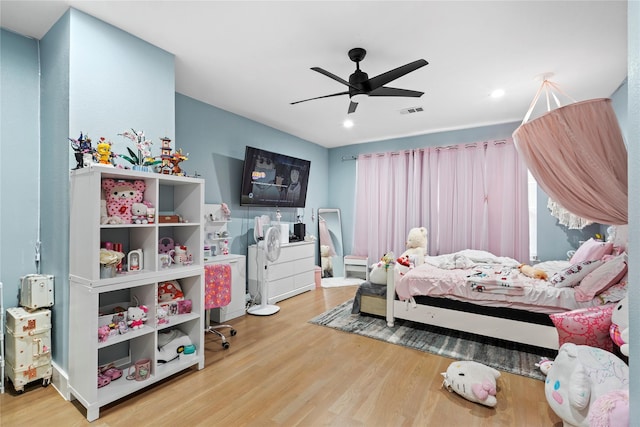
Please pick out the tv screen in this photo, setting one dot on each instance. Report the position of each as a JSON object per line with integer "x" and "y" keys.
{"x": 274, "y": 180}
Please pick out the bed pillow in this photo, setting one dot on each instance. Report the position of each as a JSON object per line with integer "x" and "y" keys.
{"x": 571, "y": 276}
{"x": 591, "y": 250}
{"x": 602, "y": 278}
{"x": 585, "y": 326}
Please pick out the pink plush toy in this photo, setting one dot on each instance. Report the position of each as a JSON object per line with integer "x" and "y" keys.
{"x": 611, "y": 409}
{"x": 136, "y": 316}
{"x": 103, "y": 333}
{"x": 120, "y": 196}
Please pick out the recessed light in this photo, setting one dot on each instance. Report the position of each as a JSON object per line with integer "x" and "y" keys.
{"x": 348, "y": 123}
{"x": 498, "y": 93}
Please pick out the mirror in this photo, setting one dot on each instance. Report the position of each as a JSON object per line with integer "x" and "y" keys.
{"x": 330, "y": 233}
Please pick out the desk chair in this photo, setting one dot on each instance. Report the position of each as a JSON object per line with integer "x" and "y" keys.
{"x": 217, "y": 294}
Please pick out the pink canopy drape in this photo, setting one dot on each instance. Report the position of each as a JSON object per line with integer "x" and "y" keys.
{"x": 577, "y": 155}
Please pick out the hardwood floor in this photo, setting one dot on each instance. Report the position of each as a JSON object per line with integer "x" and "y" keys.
{"x": 283, "y": 371}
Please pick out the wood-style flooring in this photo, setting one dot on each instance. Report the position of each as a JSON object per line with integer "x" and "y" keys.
{"x": 283, "y": 371}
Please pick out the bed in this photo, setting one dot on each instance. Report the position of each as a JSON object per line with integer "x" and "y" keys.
{"x": 479, "y": 293}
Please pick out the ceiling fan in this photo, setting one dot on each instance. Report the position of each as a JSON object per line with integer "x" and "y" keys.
{"x": 360, "y": 84}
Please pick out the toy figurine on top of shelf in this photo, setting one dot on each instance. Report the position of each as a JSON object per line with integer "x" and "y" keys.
{"x": 83, "y": 151}
{"x": 143, "y": 160}
{"x": 103, "y": 152}
{"x": 170, "y": 161}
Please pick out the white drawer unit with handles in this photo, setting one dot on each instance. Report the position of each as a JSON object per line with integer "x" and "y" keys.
{"x": 291, "y": 274}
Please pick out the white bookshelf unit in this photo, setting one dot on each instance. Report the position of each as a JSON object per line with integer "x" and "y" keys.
{"x": 291, "y": 274}
{"x": 89, "y": 292}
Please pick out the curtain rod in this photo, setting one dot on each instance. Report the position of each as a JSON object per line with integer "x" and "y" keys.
{"x": 448, "y": 147}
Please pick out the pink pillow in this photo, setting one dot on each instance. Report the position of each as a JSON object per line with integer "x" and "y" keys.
{"x": 602, "y": 278}
{"x": 585, "y": 326}
{"x": 572, "y": 275}
{"x": 591, "y": 250}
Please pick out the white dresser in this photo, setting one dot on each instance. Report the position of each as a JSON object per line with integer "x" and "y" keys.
{"x": 237, "y": 306}
{"x": 291, "y": 274}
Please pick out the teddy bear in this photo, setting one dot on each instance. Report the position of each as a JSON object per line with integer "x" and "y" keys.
{"x": 325, "y": 260}
{"x": 473, "y": 381}
{"x": 139, "y": 213}
{"x": 619, "y": 329}
{"x": 136, "y": 316}
{"x": 416, "y": 245}
{"x": 120, "y": 196}
{"x": 579, "y": 376}
{"x": 378, "y": 274}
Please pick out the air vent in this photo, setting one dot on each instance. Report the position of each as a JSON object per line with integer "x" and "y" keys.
{"x": 412, "y": 110}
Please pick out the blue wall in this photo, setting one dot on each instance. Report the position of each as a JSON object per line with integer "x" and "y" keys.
{"x": 216, "y": 139}
{"x": 19, "y": 160}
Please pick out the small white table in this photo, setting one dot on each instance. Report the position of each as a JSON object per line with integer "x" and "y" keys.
{"x": 357, "y": 266}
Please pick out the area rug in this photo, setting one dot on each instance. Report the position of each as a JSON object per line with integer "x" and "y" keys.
{"x": 334, "y": 282}
{"x": 503, "y": 355}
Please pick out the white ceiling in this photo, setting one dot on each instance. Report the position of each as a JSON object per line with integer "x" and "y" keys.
{"x": 254, "y": 58}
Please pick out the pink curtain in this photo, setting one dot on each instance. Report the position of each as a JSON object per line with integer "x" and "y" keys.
{"x": 468, "y": 196}
{"x": 577, "y": 155}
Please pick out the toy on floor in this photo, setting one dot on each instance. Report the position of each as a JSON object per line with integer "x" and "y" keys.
{"x": 325, "y": 261}
{"x": 473, "y": 381}
{"x": 579, "y": 376}
{"x": 610, "y": 410}
{"x": 544, "y": 364}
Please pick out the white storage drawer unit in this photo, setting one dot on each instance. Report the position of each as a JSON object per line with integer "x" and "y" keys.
{"x": 291, "y": 274}
{"x": 28, "y": 346}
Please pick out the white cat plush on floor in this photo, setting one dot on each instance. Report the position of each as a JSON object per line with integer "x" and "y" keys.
{"x": 473, "y": 381}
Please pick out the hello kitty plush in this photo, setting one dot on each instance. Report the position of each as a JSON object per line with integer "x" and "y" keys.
{"x": 473, "y": 381}
{"x": 136, "y": 316}
{"x": 120, "y": 196}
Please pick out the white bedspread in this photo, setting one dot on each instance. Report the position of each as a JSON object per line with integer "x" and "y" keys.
{"x": 504, "y": 285}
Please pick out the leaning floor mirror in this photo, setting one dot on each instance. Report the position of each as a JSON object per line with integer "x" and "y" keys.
{"x": 331, "y": 250}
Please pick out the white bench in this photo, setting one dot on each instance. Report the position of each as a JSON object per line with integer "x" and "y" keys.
{"x": 357, "y": 266}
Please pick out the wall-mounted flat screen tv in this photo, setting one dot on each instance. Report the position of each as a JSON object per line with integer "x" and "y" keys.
{"x": 273, "y": 180}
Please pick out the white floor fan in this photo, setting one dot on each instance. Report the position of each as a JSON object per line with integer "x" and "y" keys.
{"x": 268, "y": 251}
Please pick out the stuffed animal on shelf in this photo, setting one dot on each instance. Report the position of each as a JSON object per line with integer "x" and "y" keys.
{"x": 120, "y": 196}
{"x": 533, "y": 272}
{"x": 104, "y": 332}
{"x": 136, "y": 316}
{"x": 473, "y": 381}
{"x": 378, "y": 274}
{"x": 416, "y": 245}
{"x": 581, "y": 374}
{"x": 619, "y": 329}
{"x": 325, "y": 261}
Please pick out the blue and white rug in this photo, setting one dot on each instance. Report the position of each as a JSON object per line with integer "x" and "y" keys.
{"x": 505, "y": 356}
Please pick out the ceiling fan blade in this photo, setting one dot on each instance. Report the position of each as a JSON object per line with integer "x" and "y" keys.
{"x": 384, "y": 78}
{"x": 334, "y": 77}
{"x": 320, "y": 97}
{"x": 392, "y": 91}
{"x": 352, "y": 107}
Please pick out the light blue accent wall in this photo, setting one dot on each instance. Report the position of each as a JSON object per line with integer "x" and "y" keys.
{"x": 216, "y": 139}
{"x": 19, "y": 160}
{"x": 54, "y": 172}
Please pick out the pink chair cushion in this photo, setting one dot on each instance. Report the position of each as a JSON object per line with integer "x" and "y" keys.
{"x": 585, "y": 326}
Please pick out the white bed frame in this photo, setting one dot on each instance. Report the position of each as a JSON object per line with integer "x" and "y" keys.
{"x": 506, "y": 329}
